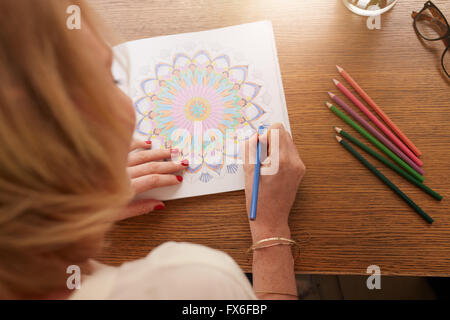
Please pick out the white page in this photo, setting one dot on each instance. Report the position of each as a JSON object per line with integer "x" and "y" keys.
{"x": 226, "y": 78}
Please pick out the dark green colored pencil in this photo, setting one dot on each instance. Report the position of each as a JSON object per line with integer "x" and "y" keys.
{"x": 374, "y": 170}
{"x": 378, "y": 156}
{"x": 374, "y": 141}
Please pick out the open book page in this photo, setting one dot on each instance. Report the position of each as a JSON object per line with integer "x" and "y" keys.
{"x": 203, "y": 93}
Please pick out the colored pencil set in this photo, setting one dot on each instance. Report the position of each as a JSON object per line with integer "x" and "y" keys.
{"x": 404, "y": 155}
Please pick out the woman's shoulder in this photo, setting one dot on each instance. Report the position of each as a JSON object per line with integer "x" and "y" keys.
{"x": 171, "y": 255}
{"x": 180, "y": 270}
{"x": 184, "y": 253}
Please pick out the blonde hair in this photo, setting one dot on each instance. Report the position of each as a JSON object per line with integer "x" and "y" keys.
{"x": 62, "y": 181}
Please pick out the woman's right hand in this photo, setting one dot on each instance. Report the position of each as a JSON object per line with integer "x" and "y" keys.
{"x": 276, "y": 191}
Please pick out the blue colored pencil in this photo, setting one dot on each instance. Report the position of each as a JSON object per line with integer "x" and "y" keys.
{"x": 256, "y": 173}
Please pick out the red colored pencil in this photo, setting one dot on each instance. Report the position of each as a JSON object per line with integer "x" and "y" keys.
{"x": 378, "y": 110}
{"x": 378, "y": 123}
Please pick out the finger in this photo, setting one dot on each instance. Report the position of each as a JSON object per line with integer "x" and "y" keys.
{"x": 263, "y": 137}
{"x": 291, "y": 145}
{"x": 140, "y": 207}
{"x": 144, "y": 156}
{"x": 275, "y": 127}
{"x": 266, "y": 138}
{"x": 156, "y": 167}
{"x": 135, "y": 144}
{"x": 152, "y": 181}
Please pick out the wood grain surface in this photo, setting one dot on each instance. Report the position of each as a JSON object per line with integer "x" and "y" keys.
{"x": 351, "y": 218}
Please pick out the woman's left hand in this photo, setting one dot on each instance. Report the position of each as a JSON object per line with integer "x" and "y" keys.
{"x": 147, "y": 171}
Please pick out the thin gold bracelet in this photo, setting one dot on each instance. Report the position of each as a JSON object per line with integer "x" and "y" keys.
{"x": 272, "y": 245}
{"x": 280, "y": 293}
{"x": 255, "y": 246}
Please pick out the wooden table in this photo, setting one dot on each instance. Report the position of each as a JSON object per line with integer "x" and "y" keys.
{"x": 353, "y": 219}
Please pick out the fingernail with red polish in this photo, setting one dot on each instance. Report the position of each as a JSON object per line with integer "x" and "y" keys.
{"x": 148, "y": 142}
{"x": 180, "y": 178}
{"x": 185, "y": 162}
{"x": 159, "y": 207}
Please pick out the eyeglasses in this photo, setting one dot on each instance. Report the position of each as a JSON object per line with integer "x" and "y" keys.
{"x": 431, "y": 25}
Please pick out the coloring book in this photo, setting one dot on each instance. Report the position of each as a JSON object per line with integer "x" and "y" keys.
{"x": 203, "y": 93}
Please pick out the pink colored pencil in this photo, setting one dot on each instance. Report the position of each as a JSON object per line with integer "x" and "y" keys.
{"x": 378, "y": 110}
{"x": 378, "y": 123}
{"x": 375, "y": 133}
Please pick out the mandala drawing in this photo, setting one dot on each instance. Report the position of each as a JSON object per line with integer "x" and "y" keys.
{"x": 199, "y": 90}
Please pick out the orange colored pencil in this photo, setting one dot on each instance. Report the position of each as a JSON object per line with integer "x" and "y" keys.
{"x": 378, "y": 110}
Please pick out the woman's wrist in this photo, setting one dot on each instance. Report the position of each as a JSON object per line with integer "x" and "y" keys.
{"x": 260, "y": 232}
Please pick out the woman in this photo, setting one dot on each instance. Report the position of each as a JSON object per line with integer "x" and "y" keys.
{"x": 66, "y": 175}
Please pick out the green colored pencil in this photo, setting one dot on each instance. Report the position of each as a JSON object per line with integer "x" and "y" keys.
{"x": 374, "y": 170}
{"x": 378, "y": 156}
{"x": 375, "y": 141}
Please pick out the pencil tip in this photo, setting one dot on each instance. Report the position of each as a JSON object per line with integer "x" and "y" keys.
{"x": 338, "y": 138}
{"x": 328, "y": 104}
{"x": 339, "y": 69}
{"x": 331, "y": 94}
{"x": 336, "y": 82}
{"x": 338, "y": 130}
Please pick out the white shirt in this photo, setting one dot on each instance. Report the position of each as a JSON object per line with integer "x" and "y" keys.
{"x": 171, "y": 271}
